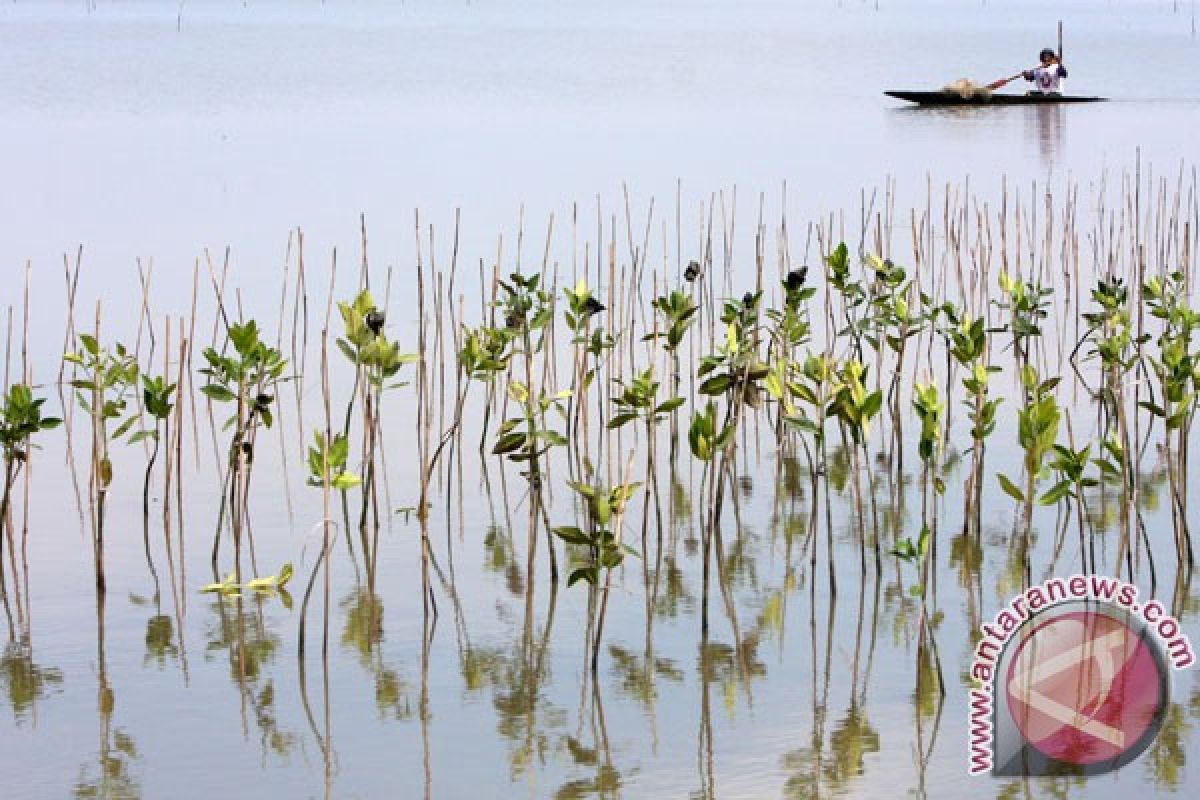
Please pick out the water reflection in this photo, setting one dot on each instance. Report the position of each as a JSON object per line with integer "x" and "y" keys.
{"x": 1046, "y": 125}
{"x": 361, "y": 636}
{"x": 24, "y": 682}
{"x": 250, "y": 647}
{"x": 110, "y": 774}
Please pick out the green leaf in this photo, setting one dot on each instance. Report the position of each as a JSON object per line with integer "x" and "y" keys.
{"x": 346, "y": 480}
{"x": 218, "y": 393}
{"x": 669, "y": 405}
{"x": 621, "y": 419}
{"x": 582, "y": 574}
{"x": 1010, "y": 488}
{"x": 508, "y": 443}
{"x": 718, "y": 384}
{"x": 1055, "y": 493}
{"x": 572, "y": 535}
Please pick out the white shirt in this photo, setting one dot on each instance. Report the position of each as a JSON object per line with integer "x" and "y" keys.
{"x": 1048, "y": 79}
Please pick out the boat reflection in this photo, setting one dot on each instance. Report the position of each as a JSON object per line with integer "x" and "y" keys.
{"x": 1045, "y": 125}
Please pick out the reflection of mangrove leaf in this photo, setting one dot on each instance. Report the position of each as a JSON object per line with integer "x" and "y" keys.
{"x": 364, "y": 624}
{"x": 607, "y": 783}
{"x": 23, "y": 681}
{"x": 273, "y": 738}
{"x": 1168, "y": 755}
{"x": 392, "y": 695}
{"x": 674, "y": 597}
{"x": 112, "y": 779}
{"x": 638, "y": 680}
{"x": 927, "y": 694}
{"x": 160, "y": 640}
{"x": 249, "y": 643}
{"x": 852, "y": 739}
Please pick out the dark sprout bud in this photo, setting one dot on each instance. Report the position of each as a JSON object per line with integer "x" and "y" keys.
{"x": 513, "y": 320}
{"x": 263, "y": 400}
{"x": 887, "y": 262}
{"x": 247, "y": 449}
{"x": 748, "y": 299}
{"x": 692, "y": 271}
{"x": 795, "y": 279}
{"x": 592, "y": 306}
{"x": 375, "y": 319}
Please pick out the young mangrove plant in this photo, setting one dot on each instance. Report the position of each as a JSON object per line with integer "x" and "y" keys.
{"x": 592, "y": 346}
{"x": 601, "y": 549}
{"x": 930, "y": 410}
{"x": 638, "y": 402}
{"x": 968, "y": 347}
{"x": 854, "y": 407}
{"x": 525, "y": 439}
{"x": 1037, "y": 433}
{"x": 855, "y": 300}
{"x": 376, "y": 360}
{"x": 1111, "y": 341}
{"x": 1027, "y": 305}
{"x": 1070, "y": 469}
{"x": 20, "y": 420}
{"x": 107, "y": 378}
{"x": 327, "y": 459}
{"x": 892, "y": 322}
{"x": 1177, "y": 368}
{"x": 248, "y": 379}
{"x": 158, "y": 405}
{"x": 678, "y": 310}
{"x": 814, "y": 385}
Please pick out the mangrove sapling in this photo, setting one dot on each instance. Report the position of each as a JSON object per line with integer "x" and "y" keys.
{"x": 248, "y": 379}
{"x": 814, "y": 385}
{"x": 706, "y": 440}
{"x": 638, "y": 401}
{"x": 678, "y": 310}
{"x": 582, "y": 307}
{"x": 526, "y": 440}
{"x": 20, "y": 419}
{"x": 376, "y": 360}
{"x": 891, "y": 321}
{"x": 968, "y": 347}
{"x": 854, "y": 407}
{"x": 602, "y": 549}
{"x": 528, "y": 309}
{"x": 1111, "y": 340}
{"x": 485, "y": 356}
{"x": 326, "y": 461}
{"x": 790, "y": 330}
{"x": 855, "y": 303}
{"x": 1177, "y": 368}
{"x": 107, "y": 379}
{"x": 736, "y": 373}
{"x": 1070, "y": 467}
{"x": 930, "y": 410}
{"x": 158, "y": 404}
{"x": 1037, "y": 433}
{"x": 1027, "y": 304}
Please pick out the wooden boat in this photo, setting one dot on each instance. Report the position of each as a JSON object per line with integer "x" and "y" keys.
{"x": 941, "y": 98}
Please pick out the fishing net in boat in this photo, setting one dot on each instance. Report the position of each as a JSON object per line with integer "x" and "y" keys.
{"x": 967, "y": 89}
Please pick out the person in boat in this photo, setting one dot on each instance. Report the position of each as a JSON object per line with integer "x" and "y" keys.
{"x": 1046, "y": 78}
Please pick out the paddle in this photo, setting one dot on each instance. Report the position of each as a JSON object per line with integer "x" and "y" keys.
{"x": 1004, "y": 81}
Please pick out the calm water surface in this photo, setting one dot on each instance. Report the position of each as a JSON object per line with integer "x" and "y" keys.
{"x": 154, "y": 132}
